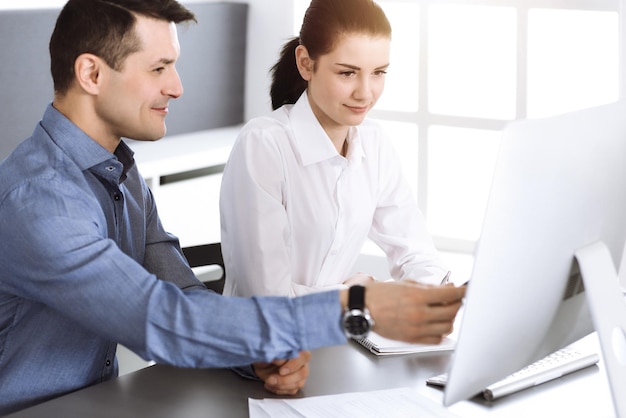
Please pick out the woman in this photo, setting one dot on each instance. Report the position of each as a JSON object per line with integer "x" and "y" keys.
{"x": 305, "y": 186}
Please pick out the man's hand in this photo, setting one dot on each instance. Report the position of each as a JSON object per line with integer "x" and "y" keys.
{"x": 412, "y": 312}
{"x": 284, "y": 377}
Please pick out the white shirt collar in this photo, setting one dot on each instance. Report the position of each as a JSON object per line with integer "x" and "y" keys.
{"x": 312, "y": 142}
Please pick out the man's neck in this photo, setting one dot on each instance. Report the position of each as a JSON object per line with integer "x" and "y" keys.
{"x": 79, "y": 110}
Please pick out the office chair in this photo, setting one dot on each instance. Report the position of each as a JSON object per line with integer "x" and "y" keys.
{"x": 207, "y": 255}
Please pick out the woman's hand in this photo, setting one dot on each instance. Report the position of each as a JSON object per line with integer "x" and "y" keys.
{"x": 284, "y": 377}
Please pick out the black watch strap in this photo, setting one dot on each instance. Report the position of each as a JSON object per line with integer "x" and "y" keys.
{"x": 356, "y": 297}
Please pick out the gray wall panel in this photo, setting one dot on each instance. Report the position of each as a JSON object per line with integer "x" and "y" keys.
{"x": 211, "y": 66}
{"x": 212, "y": 69}
{"x": 25, "y": 81}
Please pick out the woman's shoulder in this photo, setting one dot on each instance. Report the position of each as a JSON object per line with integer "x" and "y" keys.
{"x": 272, "y": 126}
{"x": 263, "y": 133}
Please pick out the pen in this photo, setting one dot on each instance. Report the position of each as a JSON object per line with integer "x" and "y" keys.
{"x": 445, "y": 279}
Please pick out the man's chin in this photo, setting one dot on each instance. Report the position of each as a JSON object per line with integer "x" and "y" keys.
{"x": 145, "y": 139}
{"x": 150, "y": 136}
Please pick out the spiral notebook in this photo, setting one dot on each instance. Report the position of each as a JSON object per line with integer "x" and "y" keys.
{"x": 382, "y": 346}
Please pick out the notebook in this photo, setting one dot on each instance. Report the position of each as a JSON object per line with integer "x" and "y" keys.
{"x": 382, "y": 346}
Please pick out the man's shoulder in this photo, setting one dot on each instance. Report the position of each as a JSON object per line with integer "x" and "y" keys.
{"x": 35, "y": 160}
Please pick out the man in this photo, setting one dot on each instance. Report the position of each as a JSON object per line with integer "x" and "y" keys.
{"x": 86, "y": 263}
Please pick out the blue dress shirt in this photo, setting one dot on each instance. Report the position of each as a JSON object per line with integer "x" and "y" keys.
{"x": 85, "y": 264}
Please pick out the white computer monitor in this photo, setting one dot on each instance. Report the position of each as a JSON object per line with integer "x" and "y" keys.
{"x": 559, "y": 186}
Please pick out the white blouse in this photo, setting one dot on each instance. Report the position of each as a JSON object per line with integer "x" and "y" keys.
{"x": 295, "y": 213}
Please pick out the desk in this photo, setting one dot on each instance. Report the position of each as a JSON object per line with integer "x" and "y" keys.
{"x": 163, "y": 391}
{"x": 182, "y": 153}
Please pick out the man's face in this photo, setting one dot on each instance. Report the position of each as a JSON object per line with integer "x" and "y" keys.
{"x": 133, "y": 102}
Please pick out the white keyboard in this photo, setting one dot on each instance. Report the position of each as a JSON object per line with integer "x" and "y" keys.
{"x": 555, "y": 365}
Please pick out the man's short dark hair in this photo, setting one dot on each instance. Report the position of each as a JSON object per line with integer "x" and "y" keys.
{"x": 104, "y": 28}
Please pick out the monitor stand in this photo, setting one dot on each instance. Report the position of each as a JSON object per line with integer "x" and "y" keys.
{"x": 608, "y": 312}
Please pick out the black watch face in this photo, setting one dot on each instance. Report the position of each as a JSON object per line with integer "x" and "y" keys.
{"x": 356, "y": 325}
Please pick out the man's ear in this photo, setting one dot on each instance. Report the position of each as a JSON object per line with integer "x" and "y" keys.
{"x": 87, "y": 68}
{"x": 304, "y": 62}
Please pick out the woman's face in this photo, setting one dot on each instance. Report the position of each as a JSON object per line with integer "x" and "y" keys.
{"x": 346, "y": 83}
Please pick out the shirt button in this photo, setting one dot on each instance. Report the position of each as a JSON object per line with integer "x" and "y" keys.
{"x": 108, "y": 363}
{"x": 116, "y": 197}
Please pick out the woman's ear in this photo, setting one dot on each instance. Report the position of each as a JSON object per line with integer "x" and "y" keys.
{"x": 304, "y": 62}
{"x": 87, "y": 68}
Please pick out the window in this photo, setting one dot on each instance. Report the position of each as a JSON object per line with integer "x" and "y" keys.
{"x": 461, "y": 70}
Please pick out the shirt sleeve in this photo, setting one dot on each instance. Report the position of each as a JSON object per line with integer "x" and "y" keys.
{"x": 59, "y": 257}
{"x": 399, "y": 228}
{"x": 163, "y": 253}
{"x": 254, "y": 222}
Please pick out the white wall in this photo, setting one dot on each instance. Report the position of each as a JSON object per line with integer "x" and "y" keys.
{"x": 270, "y": 25}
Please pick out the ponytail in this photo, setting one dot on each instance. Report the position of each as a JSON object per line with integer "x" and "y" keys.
{"x": 287, "y": 84}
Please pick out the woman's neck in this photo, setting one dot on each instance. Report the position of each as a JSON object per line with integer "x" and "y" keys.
{"x": 339, "y": 138}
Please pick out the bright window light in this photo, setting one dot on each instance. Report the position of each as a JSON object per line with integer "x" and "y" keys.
{"x": 402, "y": 81}
{"x": 460, "y": 167}
{"x": 472, "y": 61}
{"x": 573, "y": 60}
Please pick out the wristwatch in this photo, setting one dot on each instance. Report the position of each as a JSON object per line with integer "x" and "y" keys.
{"x": 356, "y": 320}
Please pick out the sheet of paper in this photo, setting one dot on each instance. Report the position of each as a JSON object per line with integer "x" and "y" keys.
{"x": 395, "y": 403}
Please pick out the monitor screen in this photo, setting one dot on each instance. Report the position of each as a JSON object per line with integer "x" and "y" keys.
{"x": 559, "y": 186}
